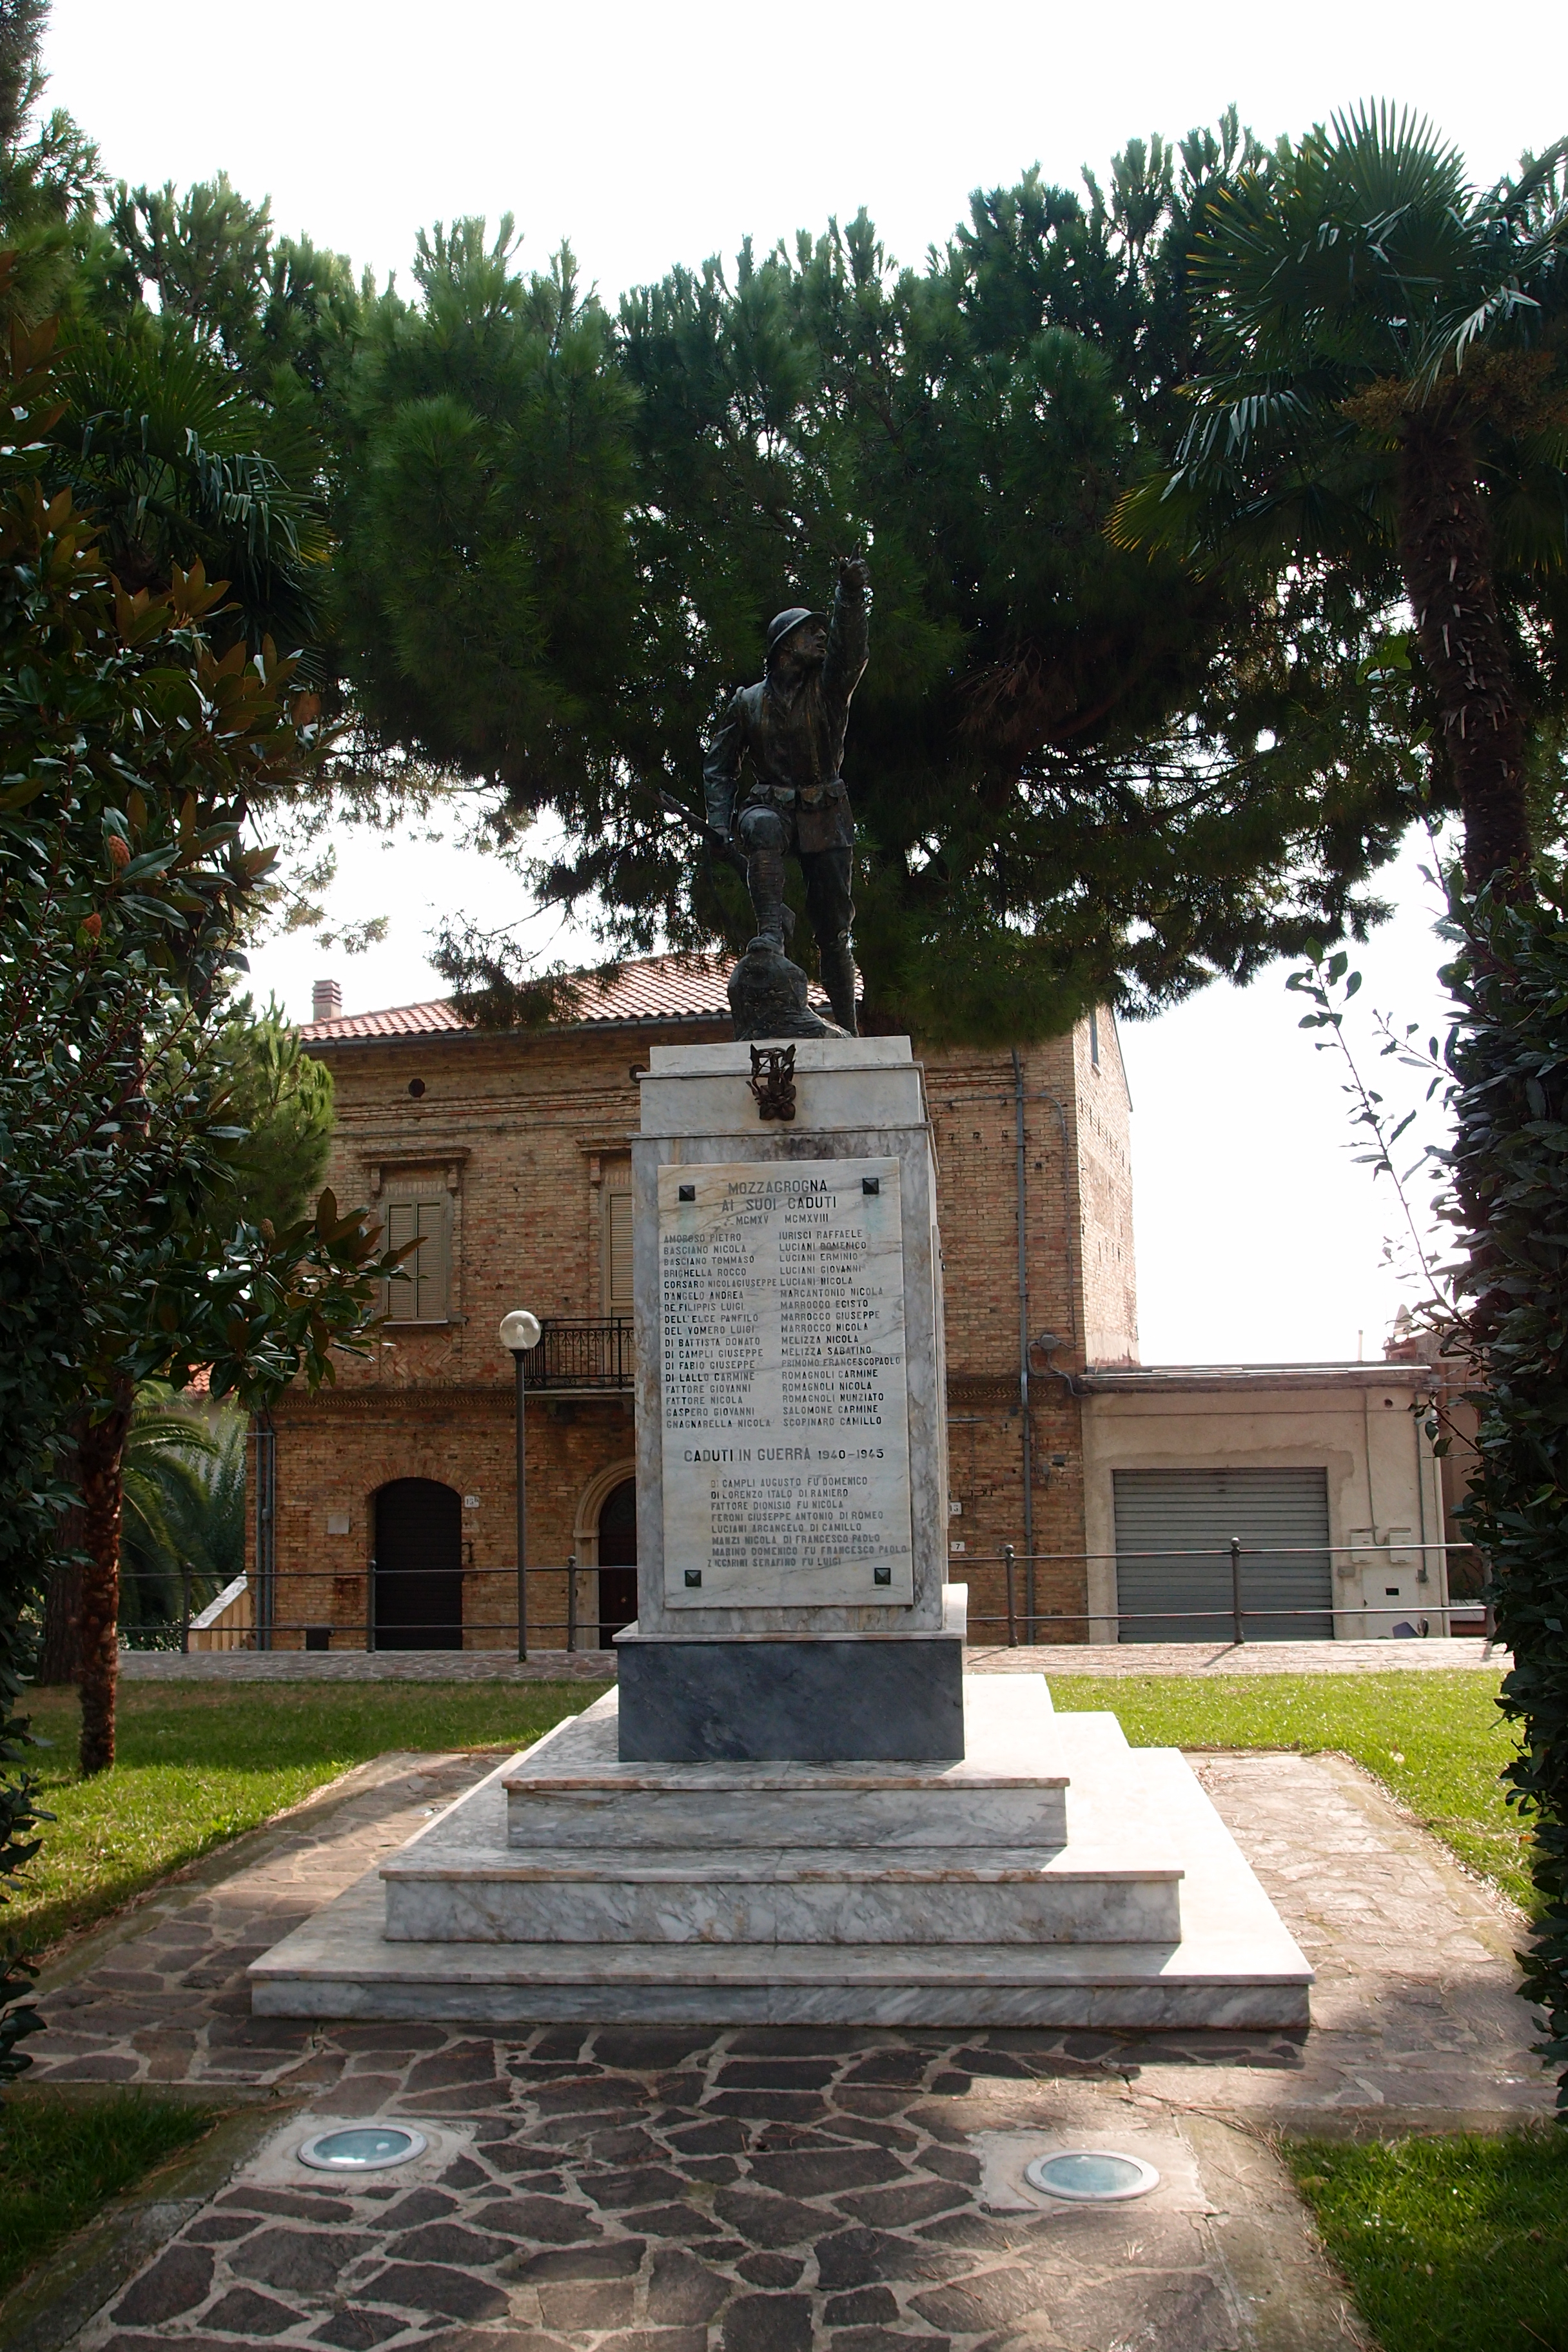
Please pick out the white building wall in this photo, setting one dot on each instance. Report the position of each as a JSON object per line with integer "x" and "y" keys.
{"x": 1355, "y": 1422}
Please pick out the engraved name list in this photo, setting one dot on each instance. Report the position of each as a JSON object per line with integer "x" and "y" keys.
{"x": 786, "y": 1415}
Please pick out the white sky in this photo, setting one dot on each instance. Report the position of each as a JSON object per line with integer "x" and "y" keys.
{"x": 654, "y": 133}
{"x": 649, "y": 135}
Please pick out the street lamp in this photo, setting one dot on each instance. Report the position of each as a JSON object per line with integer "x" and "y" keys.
{"x": 519, "y": 1335}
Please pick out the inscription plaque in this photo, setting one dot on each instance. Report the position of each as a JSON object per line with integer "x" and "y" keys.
{"x": 785, "y": 1410}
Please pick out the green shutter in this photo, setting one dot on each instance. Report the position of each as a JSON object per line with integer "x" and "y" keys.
{"x": 618, "y": 1253}
{"x": 430, "y": 1258}
{"x": 398, "y": 1296}
{"x": 422, "y": 1296}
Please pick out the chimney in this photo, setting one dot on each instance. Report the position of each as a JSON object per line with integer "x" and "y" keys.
{"x": 326, "y": 1001}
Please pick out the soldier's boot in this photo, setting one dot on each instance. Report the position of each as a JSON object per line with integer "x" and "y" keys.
{"x": 838, "y": 979}
{"x": 766, "y": 881}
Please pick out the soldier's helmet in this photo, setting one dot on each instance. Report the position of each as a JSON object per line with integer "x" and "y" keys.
{"x": 785, "y": 624}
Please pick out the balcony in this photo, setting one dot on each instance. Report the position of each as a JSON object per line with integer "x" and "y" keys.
{"x": 580, "y": 1356}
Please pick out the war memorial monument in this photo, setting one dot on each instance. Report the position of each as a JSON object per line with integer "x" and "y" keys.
{"x": 796, "y": 1807}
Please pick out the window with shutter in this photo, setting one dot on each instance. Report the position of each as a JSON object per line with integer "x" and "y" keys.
{"x": 616, "y": 1257}
{"x": 421, "y": 1297}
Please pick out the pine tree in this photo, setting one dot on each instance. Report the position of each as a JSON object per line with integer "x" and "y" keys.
{"x": 1078, "y": 772}
{"x": 50, "y": 175}
{"x": 282, "y": 1099}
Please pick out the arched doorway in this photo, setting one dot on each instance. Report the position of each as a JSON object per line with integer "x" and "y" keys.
{"x": 417, "y": 1583}
{"x": 617, "y": 1560}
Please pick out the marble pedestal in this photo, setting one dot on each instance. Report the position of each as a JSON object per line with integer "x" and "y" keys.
{"x": 723, "y": 1701}
{"x": 792, "y": 1454}
{"x": 1053, "y": 1876}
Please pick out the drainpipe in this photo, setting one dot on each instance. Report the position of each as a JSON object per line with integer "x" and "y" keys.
{"x": 1418, "y": 1422}
{"x": 1024, "y": 1351}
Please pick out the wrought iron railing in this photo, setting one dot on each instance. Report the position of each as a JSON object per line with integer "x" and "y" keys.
{"x": 569, "y": 1612}
{"x": 592, "y": 1355}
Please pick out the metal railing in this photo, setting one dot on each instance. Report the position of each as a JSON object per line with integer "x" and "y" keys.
{"x": 1239, "y": 1613}
{"x": 195, "y": 1602}
{"x": 319, "y": 1630}
{"x": 376, "y": 1629}
{"x": 588, "y": 1355}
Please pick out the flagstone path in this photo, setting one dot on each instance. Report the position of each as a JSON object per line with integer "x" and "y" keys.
{"x": 684, "y": 2190}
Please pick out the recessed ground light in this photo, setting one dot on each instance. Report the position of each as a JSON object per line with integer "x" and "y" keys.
{"x": 1091, "y": 2176}
{"x": 363, "y": 2147}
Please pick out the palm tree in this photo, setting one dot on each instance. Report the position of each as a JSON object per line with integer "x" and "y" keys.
{"x": 173, "y": 1483}
{"x": 174, "y": 1471}
{"x": 1387, "y": 397}
{"x": 179, "y": 463}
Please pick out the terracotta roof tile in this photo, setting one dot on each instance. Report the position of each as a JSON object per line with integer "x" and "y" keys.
{"x": 657, "y": 988}
{"x": 400, "y": 1021}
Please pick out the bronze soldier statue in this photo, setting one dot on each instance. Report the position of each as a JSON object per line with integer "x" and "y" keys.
{"x": 790, "y": 728}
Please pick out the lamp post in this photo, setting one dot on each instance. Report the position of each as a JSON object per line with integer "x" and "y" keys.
{"x": 519, "y": 1335}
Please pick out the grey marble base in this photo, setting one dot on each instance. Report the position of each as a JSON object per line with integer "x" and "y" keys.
{"x": 573, "y": 1791}
{"x": 801, "y": 1702}
{"x": 793, "y": 1896}
{"x": 1147, "y": 1915}
{"x": 342, "y": 1965}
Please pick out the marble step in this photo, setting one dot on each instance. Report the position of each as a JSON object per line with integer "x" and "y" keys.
{"x": 443, "y": 1892}
{"x": 345, "y": 1967}
{"x": 572, "y": 1790}
{"x": 1233, "y": 1966}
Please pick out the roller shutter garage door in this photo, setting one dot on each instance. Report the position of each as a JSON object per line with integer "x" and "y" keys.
{"x": 1172, "y": 1553}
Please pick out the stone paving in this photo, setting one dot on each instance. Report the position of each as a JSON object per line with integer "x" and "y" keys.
{"x": 1050, "y": 1658}
{"x": 1056, "y": 1658}
{"x": 660, "y": 2192}
{"x": 765, "y": 2191}
{"x": 367, "y": 1667}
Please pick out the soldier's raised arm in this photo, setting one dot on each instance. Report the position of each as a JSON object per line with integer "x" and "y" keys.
{"x": 848, "y": 636}
{"x": 722, "y": 768}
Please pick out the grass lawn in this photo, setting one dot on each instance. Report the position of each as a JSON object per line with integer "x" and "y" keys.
{"x": 1436, "y": 1740}
{"x": 1453, "y": 2242}
{"x": 198, "y": 1765}
{"x": 1444, "y": 2241}
{"x": 60, "y": 2161}
{"x": 1448, "y": 2243}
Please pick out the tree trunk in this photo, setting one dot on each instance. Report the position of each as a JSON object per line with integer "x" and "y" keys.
{"x": 101, "y": 1456}
{"x": 1445, "y": 549}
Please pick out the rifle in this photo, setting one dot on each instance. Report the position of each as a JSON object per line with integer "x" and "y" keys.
{"x": 712, "y": 841}
{"x": 729, "y": 853}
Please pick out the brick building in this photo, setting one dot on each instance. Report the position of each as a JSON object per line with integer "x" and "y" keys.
{"x": 506, "y": 1158}
{"x": 385, "y": 1507}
